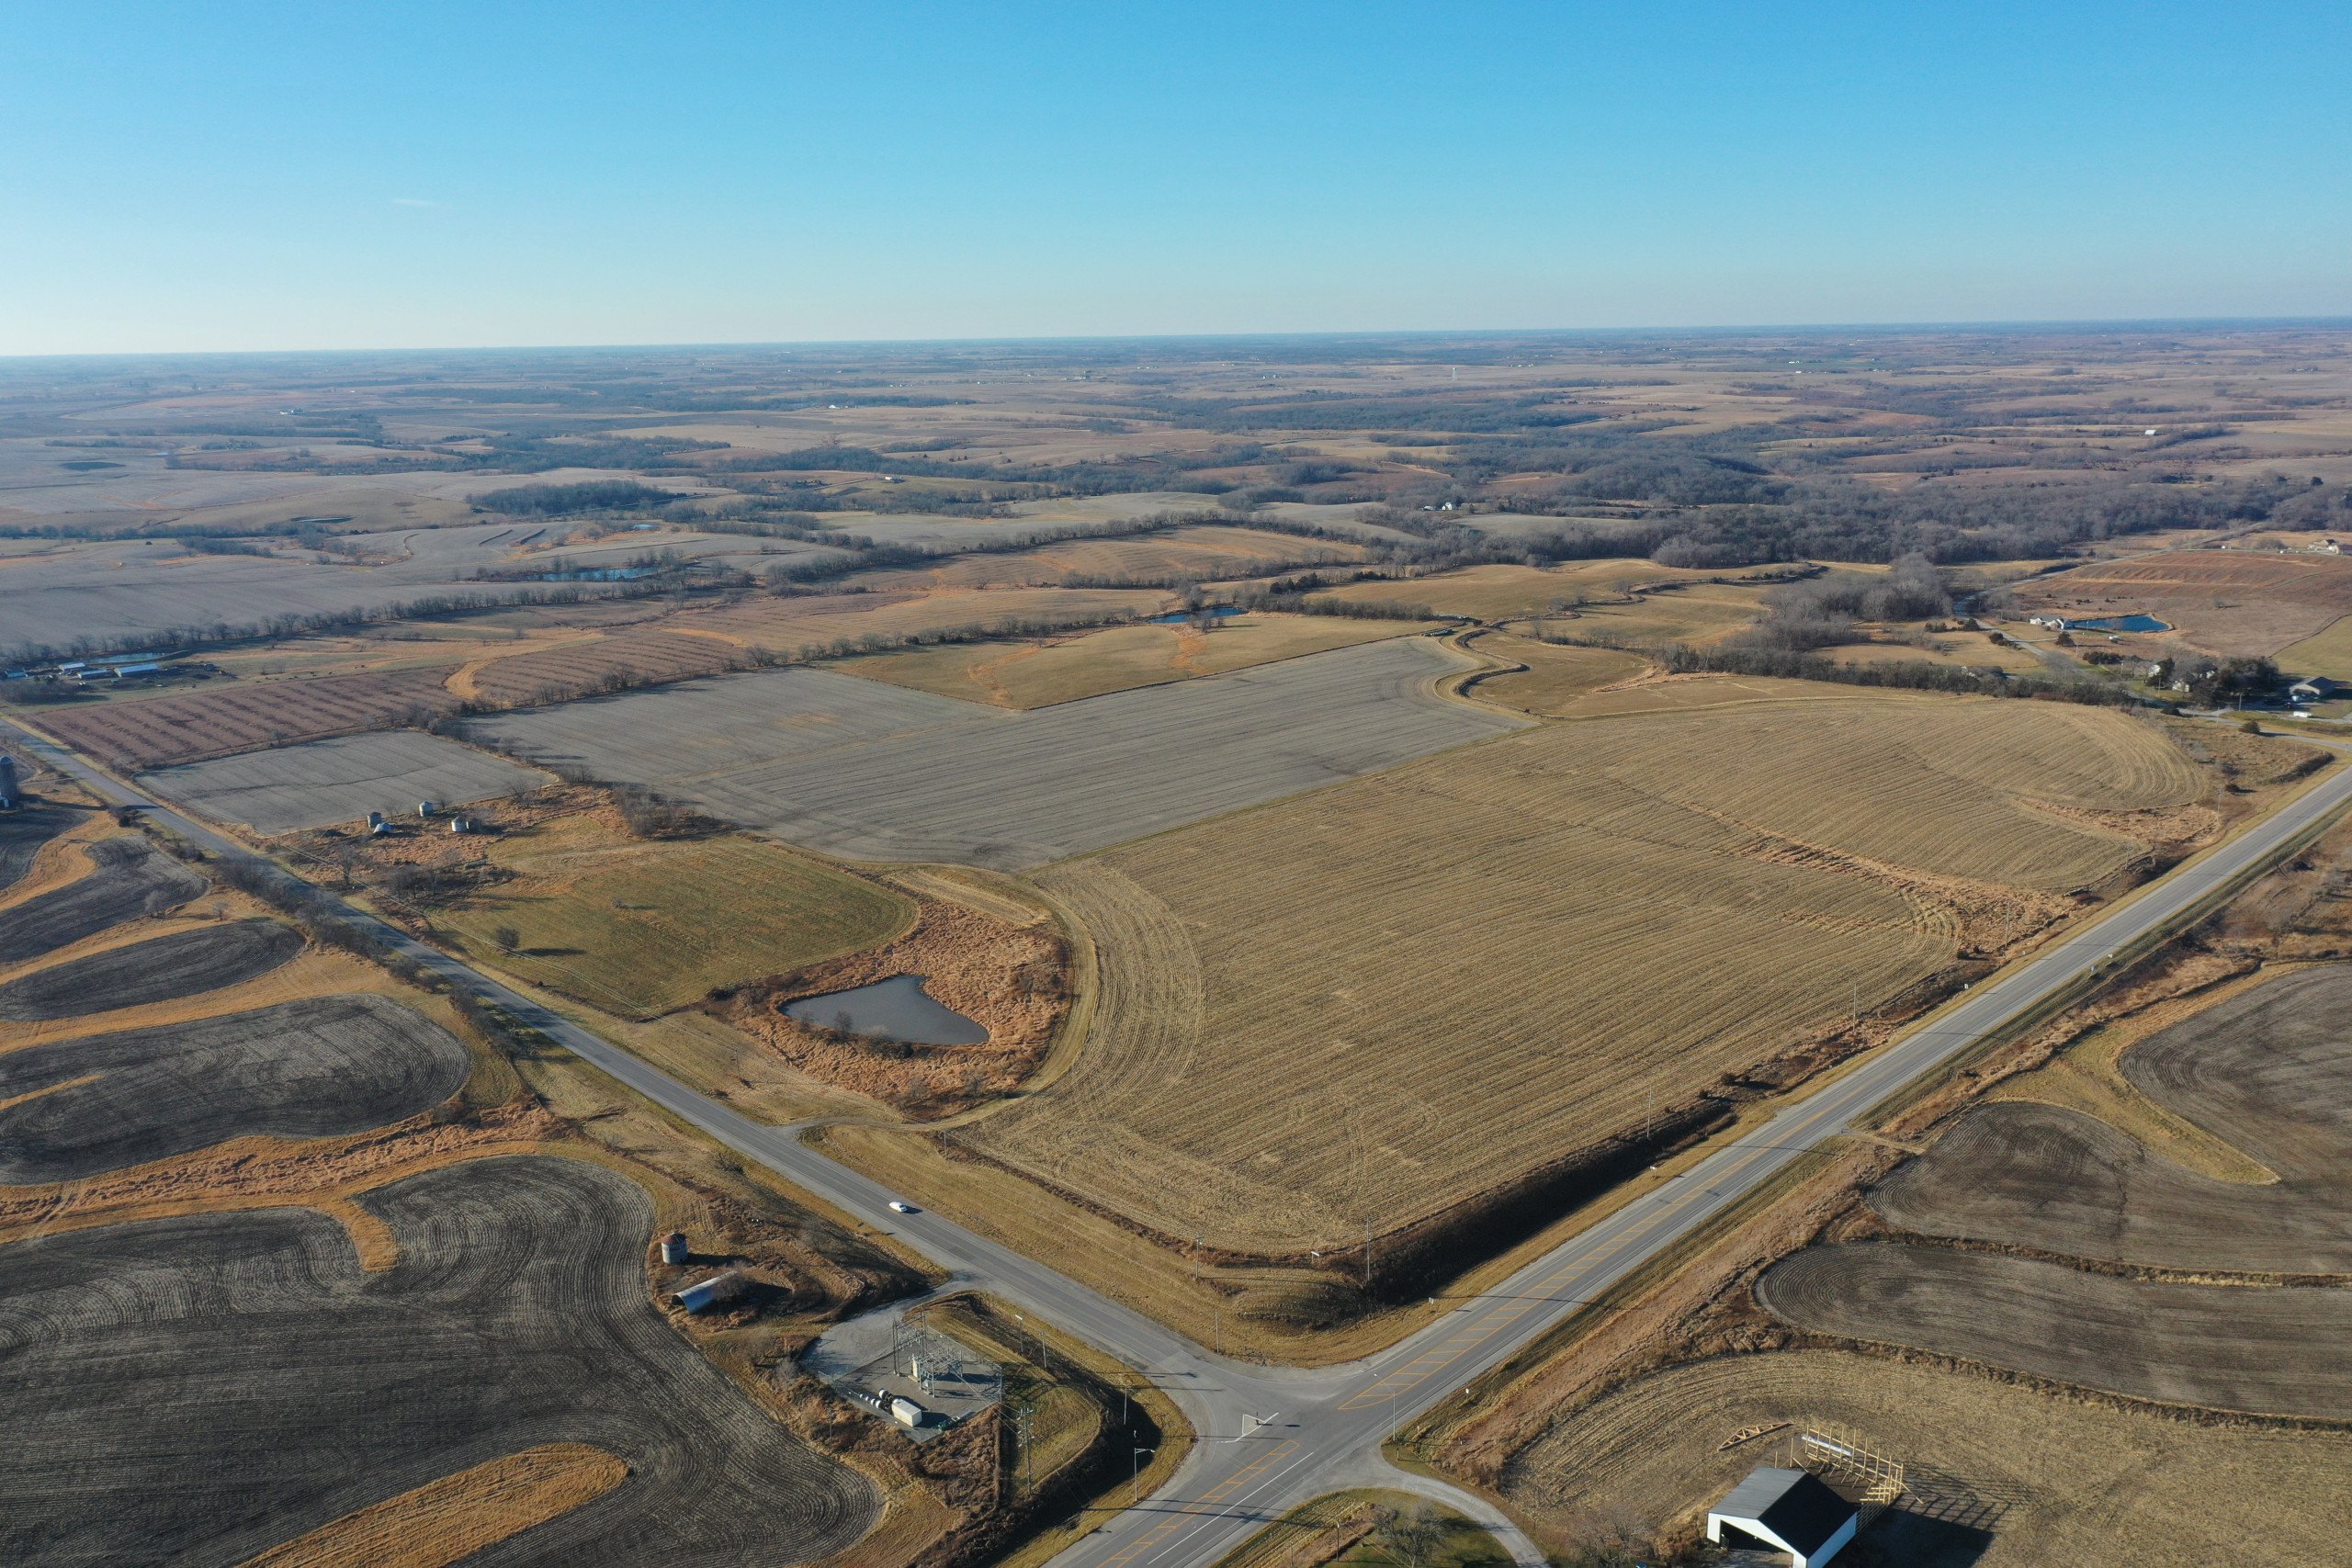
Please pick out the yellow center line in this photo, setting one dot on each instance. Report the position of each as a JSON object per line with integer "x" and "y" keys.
{"x": 1176, "y": 1521}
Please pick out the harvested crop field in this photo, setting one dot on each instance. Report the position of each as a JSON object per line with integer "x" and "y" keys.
{"x": 1556, "y": 677}
{"x": 1206, "y": 552}
{"x": 2265, "y": 1351}
{"x": 23, "y": 833}
{"x": 1701, "y": 612}
{"x": 1499, "y": 592}
{"x": 2226, "y": 602}
{"x": 822, "y": 625}
{"x": 641, "y": 929}
{"x": 302, "y": 1069}
{"x": 309, "y": 785}
{"x": 207, "y": 958}
{"x": 644, "y": 656}
{"x": 153, "y": 732}
{"x": 871, "y": 772}
{"x": 2268, "y": 1071}
{"x": 127, "y": 877}
{"x": 2000, "y": 1476}
{"x": 201, "y": 1388}
{"x": 1369, "y": 1004}
{"x": 1040, "y": 674}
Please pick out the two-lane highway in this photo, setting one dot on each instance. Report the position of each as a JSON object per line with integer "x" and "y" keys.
{"x": 1273, "y": 1438}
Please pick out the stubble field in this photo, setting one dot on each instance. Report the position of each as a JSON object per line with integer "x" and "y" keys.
{"x": 1369, "y": 1004}
{"x": 291, "y": 787}
{"x": 1999, "y": 1476}
{"x": 869, "y": 772}
{"x": 1120, "y": 659}
{"x": 805, "y": 626}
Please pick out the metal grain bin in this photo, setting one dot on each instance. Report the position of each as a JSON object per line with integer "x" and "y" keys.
{"x": 711, "y": 1291}
{"x": 674, "y": 1248}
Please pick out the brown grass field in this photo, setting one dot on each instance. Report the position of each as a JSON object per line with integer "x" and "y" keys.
{"x": 447, "y": 1520}
{"x": 2225, "y": 601}
{"x": 1701, "y": 612}
{"x": 806, "y": 625}
{"x": 190, "y": 726}
{"x": 1557, "y": 677}
{"x": 1500, "y": 593}
{"x": 1207, "y": 551}
{"x": 644, "y": 927}
{"x": 2021, "y": 1477}
{"x": 1368, "y": 1004}
{"x": 1117, "y": 658}
{"x": 2328, "y": 653}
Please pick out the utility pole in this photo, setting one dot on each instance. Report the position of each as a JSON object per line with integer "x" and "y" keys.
{"x": 1367, "y": 1255}
{"x": 1135, "y": 1476}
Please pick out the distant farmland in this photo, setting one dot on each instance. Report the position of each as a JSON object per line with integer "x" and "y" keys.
{"x": 289, "y": 787}
{"x": 154, "y": 733}
{"x": 1118, "y": 658}
{"x": 646, "y": 657}
{"x": 1207, "y": 552}
{"x": 871, "y": 772}
{"x": 2226, "y": 602}
{"x": 805, "y": 626}
{"x": 1365, "y": 1005}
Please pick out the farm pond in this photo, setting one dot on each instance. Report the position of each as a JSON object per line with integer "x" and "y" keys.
{"x": 2120, "y": 623}
{"x": 895, "y": 1009}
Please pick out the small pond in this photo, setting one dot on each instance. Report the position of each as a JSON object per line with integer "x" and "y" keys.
{"x": 1177, "y": 617}
{"x": 895, "y": 1009}
{"x": 2120, "y": 623}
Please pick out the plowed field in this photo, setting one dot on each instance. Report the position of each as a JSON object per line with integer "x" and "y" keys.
{"x": 152, "y": 732}
{"x": 2269, "y": 1352}
{"x": 199, "y": 1390}
{"x": 1370, "y": 1003}
{"x": 22, "y": 833}
{"x": 207, "y": 958}
{"x": 125, "y": 877}
{"x": 2268, "y": 1071}
{"x": 1999, "y": 1476}
{"x": 301, "y": 1069}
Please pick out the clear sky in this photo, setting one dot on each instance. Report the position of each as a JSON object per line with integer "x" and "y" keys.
{"x": 234, "y": 176}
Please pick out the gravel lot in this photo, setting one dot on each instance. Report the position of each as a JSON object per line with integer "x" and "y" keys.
{"x": 876, "y": 772}
{"x": 194, "y": 1391}
{"x": 291, "y": 787}
{"x": 126, "y": 876}
{"x": 307, "y": 1069}
{"x": 207, "y": 958}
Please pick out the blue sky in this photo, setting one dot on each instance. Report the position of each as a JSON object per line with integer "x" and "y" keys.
{"x": 235, "y": 176}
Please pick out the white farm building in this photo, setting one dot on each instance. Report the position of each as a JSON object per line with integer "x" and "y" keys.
{"x": 1790, "y": 1511}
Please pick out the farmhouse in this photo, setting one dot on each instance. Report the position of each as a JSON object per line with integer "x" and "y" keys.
{"x": 1787, "y": 1510}
{"x": 2318, "y": 689}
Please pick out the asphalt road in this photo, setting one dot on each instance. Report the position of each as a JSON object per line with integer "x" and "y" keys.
{"x": 1273, "y": 1438}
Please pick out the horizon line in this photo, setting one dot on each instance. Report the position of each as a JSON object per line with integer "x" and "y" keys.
{"x": 1997, "y": 325}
